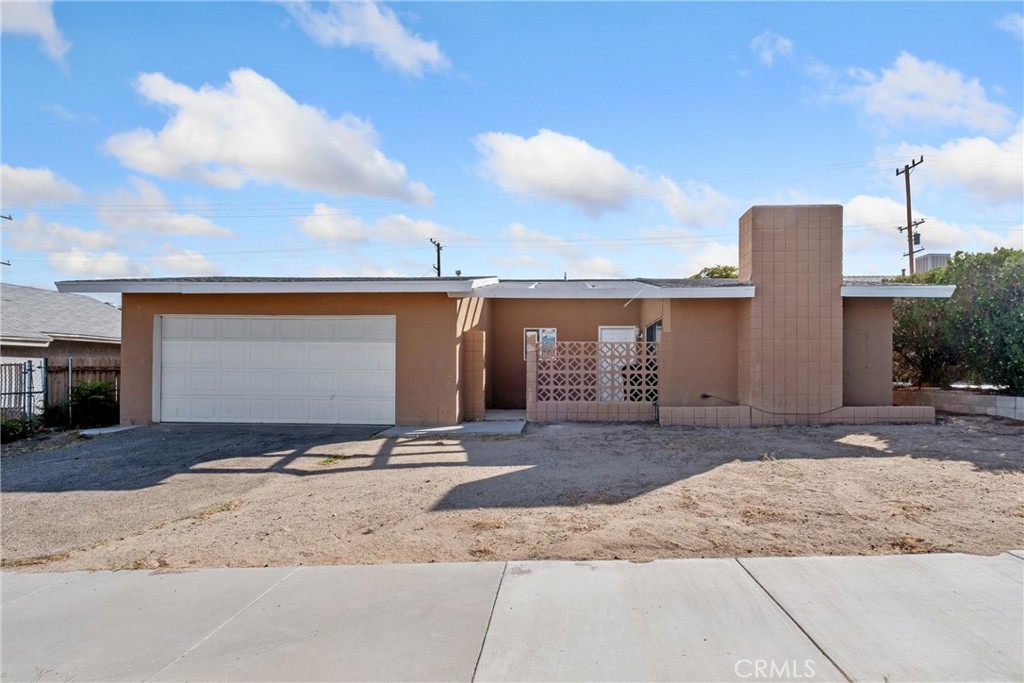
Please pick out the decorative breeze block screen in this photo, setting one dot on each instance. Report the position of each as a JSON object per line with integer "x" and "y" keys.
{"x": 598, "y": 371}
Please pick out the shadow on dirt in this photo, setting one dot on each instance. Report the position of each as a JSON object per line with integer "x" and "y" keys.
{"x": 553, "y": 464}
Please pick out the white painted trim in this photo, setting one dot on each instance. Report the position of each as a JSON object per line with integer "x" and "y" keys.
{"x": 652, "y": 292}
{"x": 85, "y": 338}
{"x": 275, "y": 287}
{"x": 907, "y": 291}
{"x": 31, "y": 343}
{"x": 158, "y": 345}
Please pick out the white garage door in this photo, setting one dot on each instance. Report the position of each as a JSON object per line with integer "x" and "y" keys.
{"x": 316, "y": 370}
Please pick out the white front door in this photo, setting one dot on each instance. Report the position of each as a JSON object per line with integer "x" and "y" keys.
{"x": 277, "y": 369}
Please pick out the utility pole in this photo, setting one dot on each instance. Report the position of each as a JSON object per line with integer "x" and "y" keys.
{"x": 912, "y": 240}
{"x": 437, "y": 245}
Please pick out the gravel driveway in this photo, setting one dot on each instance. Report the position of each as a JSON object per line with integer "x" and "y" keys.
{"x": 181, "y": 496}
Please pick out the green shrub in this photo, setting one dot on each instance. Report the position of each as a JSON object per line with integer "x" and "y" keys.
{"x": 94, "y": 404}
{"x": 977, "y": 335}
{"x": 14, "y": 428}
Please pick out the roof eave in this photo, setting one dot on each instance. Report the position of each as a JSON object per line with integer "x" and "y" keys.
{"x": 459, "y": 287}
{"x": 650, "y": 292}
{"x": 903, "y": 291}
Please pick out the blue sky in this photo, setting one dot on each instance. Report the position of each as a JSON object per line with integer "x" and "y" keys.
{"x": 533, "y": 140}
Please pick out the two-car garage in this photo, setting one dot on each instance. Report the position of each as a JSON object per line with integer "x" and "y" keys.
{"x": 275, "y": 369}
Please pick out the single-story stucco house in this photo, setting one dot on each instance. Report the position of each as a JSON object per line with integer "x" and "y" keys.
{"x": 788, "y": 342}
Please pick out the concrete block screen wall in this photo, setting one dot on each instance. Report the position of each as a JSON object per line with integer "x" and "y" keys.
{"x": 791, "y": 332}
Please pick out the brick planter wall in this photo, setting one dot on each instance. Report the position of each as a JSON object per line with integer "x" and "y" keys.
{"x": 963, "y": 402}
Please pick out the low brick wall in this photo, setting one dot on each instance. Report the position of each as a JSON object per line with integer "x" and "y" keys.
{"x": 590, "y": 411}
{"x": 963, "y": 402}
{"x": 745, "y": 416}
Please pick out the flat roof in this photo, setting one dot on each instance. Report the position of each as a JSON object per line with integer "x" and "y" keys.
{"x": 456, "y": 286}
{"x": 638, "y": 288}
{"x": 490, "y": 287}
{"x": 886, "y": 286}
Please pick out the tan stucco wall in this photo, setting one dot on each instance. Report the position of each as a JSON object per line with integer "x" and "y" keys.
{"x": 867, "y": 352}
{"x": 699, "y": 353}
{"x": 651, "y": 311}
{"x": 575, "y": 320}
{"x": 427, "y": 353}
{"x": 472, "y": 315}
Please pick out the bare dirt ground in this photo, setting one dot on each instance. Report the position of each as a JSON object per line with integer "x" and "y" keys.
{"x": 185, "y": 496}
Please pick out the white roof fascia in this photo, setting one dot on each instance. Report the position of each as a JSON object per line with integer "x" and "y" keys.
{"x": 652, "y": 292}
{"x": 463, "y": 287}
{"x": 899, "y": 291}
{"x": 21, "y": 341}
{"x": 84, "y": 338}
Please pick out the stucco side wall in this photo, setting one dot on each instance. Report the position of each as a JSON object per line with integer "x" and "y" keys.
{"x": 651, "y": 311}
{"x": 575, "y": 320}
{"x": 426, "y": 372}
{"x": 700, "y": 353}
{"x": 473, "y": 315}
{"x": 867, "y": 352}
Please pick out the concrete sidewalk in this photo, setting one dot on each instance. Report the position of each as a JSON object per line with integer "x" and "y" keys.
{"x": 896, "y": 618}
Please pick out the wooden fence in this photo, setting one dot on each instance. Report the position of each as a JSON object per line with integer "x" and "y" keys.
{"x": 82, "y": 370}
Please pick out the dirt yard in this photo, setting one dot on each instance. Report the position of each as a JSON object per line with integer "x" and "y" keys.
{"x": 183, "y": 496}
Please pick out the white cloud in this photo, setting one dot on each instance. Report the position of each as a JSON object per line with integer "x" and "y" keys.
{"x": 695, "y": 203}
{"x": 596, "y": 267}
{"x": 176, "y": 261}
{"x": 691, "y": 249}
{"x": 873, "y": 245}
{"x": 34, "y": 186}
{"x": 915, "y": 91}
{"x": 35, "y": 18}
{"x": 95, "y": 264}
{"x": 768, "y": 46}
{"x": 981, "y": 166}
{"x": 534, "y": 249}
{"x": 361, "y": 271}
{"x": 551, "y": 166}
{"x": 250, "y": 129}
{"x": 1012, "y": 24}
{"x": 373, "y": 27}
{"x": 32, "y": 232}
{"x": 148, "y": 210}
{"x": 329, "y": 224}
{"x": 526, "y": 239}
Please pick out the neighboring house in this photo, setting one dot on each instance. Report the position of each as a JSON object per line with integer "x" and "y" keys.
{"x": 787, "y": 342}
{"x": 37, "y": 323}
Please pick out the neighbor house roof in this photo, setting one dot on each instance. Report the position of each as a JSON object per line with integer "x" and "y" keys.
{"x": 30, "y": 316}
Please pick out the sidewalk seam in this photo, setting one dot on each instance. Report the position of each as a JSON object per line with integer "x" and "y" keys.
{"x": 226, "y": 622}
{"x": 487, "y": 629}
{"x": 795, "y": 622}
{"x": 38, "y": 590}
